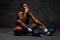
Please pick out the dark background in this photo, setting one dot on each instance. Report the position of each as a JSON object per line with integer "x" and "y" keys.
{"x": 48, "y": 11}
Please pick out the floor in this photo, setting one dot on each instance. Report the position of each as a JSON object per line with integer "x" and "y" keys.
{"x": 7, "y": 34}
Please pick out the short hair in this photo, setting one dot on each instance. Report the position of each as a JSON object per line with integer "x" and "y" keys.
{"x": 23, "y": 3}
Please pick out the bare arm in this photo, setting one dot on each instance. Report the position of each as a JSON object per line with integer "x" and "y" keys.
{"x": 20, "y": 20}
{"x": 35, "y": 20}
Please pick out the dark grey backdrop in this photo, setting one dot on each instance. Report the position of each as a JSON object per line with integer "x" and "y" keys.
{"x": 48, "y": 11}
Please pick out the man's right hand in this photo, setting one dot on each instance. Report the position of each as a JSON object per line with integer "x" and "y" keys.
{"x": 26, "y": 10}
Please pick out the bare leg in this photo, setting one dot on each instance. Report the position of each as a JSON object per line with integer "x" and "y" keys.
{"x": 34, "y": 25}
{"x": 41, "y": 27}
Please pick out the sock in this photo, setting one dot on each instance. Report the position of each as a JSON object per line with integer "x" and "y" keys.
{"x": 45, "y": 30}
{"x": 29, "y": 29}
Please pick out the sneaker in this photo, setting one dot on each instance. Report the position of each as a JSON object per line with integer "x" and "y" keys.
{"x": 50, "y": 31}
{"x": 35, "y": 33}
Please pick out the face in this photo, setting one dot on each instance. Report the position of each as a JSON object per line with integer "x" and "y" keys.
{"x": 25, "y": 6}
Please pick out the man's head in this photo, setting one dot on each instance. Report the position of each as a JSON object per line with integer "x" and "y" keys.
{"x": 24, "y": 5}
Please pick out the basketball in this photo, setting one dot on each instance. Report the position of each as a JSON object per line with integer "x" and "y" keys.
{"x": 18, "y": 31}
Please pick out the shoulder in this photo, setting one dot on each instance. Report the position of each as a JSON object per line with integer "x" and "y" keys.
{"x": 20, "y": 13}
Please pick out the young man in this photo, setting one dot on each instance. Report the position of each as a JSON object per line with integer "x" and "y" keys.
{"x": 23, "y": 20}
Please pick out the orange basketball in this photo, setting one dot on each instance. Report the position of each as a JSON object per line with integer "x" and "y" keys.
{"x": 18, "y": 31}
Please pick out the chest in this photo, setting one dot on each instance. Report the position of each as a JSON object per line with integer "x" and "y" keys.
{"x": 25, "y": 18}
{"x": 25, "y": 15}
